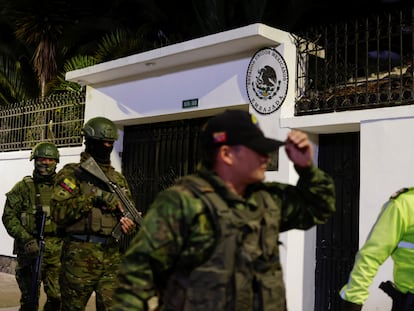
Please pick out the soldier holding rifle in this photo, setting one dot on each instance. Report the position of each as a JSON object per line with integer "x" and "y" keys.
{"x": 87, "y": 211}
{"x": 26, "y": 218}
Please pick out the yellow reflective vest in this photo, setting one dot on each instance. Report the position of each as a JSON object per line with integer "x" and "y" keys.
{"x": 392, "y": 235}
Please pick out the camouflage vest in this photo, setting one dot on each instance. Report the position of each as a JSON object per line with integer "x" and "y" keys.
{"x": 95, "y": 222}
{"x": 243, "y": 273}
{"x": 28, "y": 218}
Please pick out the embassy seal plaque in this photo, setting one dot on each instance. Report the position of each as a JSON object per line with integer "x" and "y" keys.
{"x": 267, "y": 81}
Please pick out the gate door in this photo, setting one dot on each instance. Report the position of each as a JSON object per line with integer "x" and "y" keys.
{"x": 337, "y": 241}
{"x": 157, "y": 154}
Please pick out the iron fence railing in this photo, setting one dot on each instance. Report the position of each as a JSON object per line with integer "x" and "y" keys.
{"x": 57, "y": 118}
{"x": 358, "y": 64}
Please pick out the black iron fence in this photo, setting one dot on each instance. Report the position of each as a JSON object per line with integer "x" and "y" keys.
{"x": 359, "y": 64}
{"x": 57, "y": 118}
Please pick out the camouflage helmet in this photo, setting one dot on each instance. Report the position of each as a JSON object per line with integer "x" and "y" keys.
{"x": 45, "y": 150}
{"x": 100, "y": 128}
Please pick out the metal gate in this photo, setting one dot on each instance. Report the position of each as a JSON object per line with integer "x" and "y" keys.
{"x": 337, "y": 241}
{"x": 155, "y": 155}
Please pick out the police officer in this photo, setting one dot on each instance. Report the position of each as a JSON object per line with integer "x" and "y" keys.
{"x": 24, "y": 201}
{"x": 210, "y": 242}
{"x": 392, "y": 235}
{"x": 86, "y": 213}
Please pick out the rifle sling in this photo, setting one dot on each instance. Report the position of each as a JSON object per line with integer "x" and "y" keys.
{"x": 38, "y": 203}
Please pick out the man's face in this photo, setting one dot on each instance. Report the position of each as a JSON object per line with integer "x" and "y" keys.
{"x": 108, "y": 144}
{"x": 100, "y": 150}
{"x": 45, "y": 166}
{"x": 249, "y": 166}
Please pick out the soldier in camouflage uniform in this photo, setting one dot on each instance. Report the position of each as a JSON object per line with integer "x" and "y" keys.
{"x": 210, "y": 241}
{"x": 86, "y": 213}
{"x": 19, "y": 219}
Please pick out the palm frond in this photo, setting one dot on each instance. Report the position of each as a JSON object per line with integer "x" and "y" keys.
{"x": 74, "y": 63}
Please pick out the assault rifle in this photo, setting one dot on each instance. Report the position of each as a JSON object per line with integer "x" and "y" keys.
{"x": 37, "y": 273}
{"x": 129, "y": 211}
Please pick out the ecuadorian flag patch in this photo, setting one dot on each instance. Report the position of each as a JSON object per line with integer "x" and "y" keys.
{"x": 68, "y": 185}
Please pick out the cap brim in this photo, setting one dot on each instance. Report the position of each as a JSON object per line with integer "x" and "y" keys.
{"x": 264, "y": 145}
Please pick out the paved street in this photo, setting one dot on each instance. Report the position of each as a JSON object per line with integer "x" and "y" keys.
{"x": 10, "y": 294}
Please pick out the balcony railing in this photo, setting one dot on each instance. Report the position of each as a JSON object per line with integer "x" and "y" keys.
{"x": 360, "y": 64}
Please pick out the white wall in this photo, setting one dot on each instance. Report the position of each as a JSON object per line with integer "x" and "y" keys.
{"x": 387, "y": 153}
{"x": 13, "y": 167}
{"x": 136, "y": 101}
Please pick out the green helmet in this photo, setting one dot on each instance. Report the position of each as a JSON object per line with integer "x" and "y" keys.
{"x": 45, "y": 150}
{"x": 100, "y": 128}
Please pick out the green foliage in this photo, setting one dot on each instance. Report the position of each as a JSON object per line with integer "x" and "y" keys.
{"x": 120, "y": 43}
{"x": 16, "y": 80}
{"x": 44, "y": 39}
{"x": 60, "y": 84}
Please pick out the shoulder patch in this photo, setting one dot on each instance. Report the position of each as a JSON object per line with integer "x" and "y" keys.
{"x": 68, "y": 185}
{"x": 397, "y": 193}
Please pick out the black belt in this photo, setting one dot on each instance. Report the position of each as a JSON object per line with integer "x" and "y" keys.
{"x": 98, "y": 239}
{"x": 49, "y": 234}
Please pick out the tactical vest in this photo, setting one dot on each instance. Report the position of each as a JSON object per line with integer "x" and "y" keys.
{"x": 97, "y": 221}
{"x": 28, "y": 218}
{"x": 243, "y": 273}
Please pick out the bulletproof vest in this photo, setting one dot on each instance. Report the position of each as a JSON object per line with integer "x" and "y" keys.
{"x": 243, "y": 271}
{"x": 28, "y": 217}
{"x": 97, "y": 221}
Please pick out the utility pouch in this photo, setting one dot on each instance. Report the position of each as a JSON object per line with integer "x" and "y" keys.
{"x": 102, "y": 223}
{"x": 95, "y": 220}
{"x": 108, "y": 223}
{"x": 28, "y": 221}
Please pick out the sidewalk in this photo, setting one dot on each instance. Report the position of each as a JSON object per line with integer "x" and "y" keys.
{"x": 10, "y": 294}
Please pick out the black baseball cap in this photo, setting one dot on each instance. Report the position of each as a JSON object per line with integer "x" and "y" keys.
{"x": 237, "y": 127}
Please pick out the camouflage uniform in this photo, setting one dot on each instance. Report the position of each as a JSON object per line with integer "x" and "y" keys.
{"x": 90, "y": 256}
{"x": 19, "y": 221}
{"x": 181, "y": 255}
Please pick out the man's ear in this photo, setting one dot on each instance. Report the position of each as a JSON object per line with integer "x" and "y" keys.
{"x": 225, "y": 154}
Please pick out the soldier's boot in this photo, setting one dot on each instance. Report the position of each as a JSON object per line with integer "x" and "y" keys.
{"x": 52, "y": 304}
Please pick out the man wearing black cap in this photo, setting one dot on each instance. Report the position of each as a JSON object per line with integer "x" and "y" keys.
{"x": 210, "y": 242}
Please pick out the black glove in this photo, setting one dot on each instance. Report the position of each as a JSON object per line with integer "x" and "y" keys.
{"x": 350, "y": 306}
{"x": 31, "y": 248}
